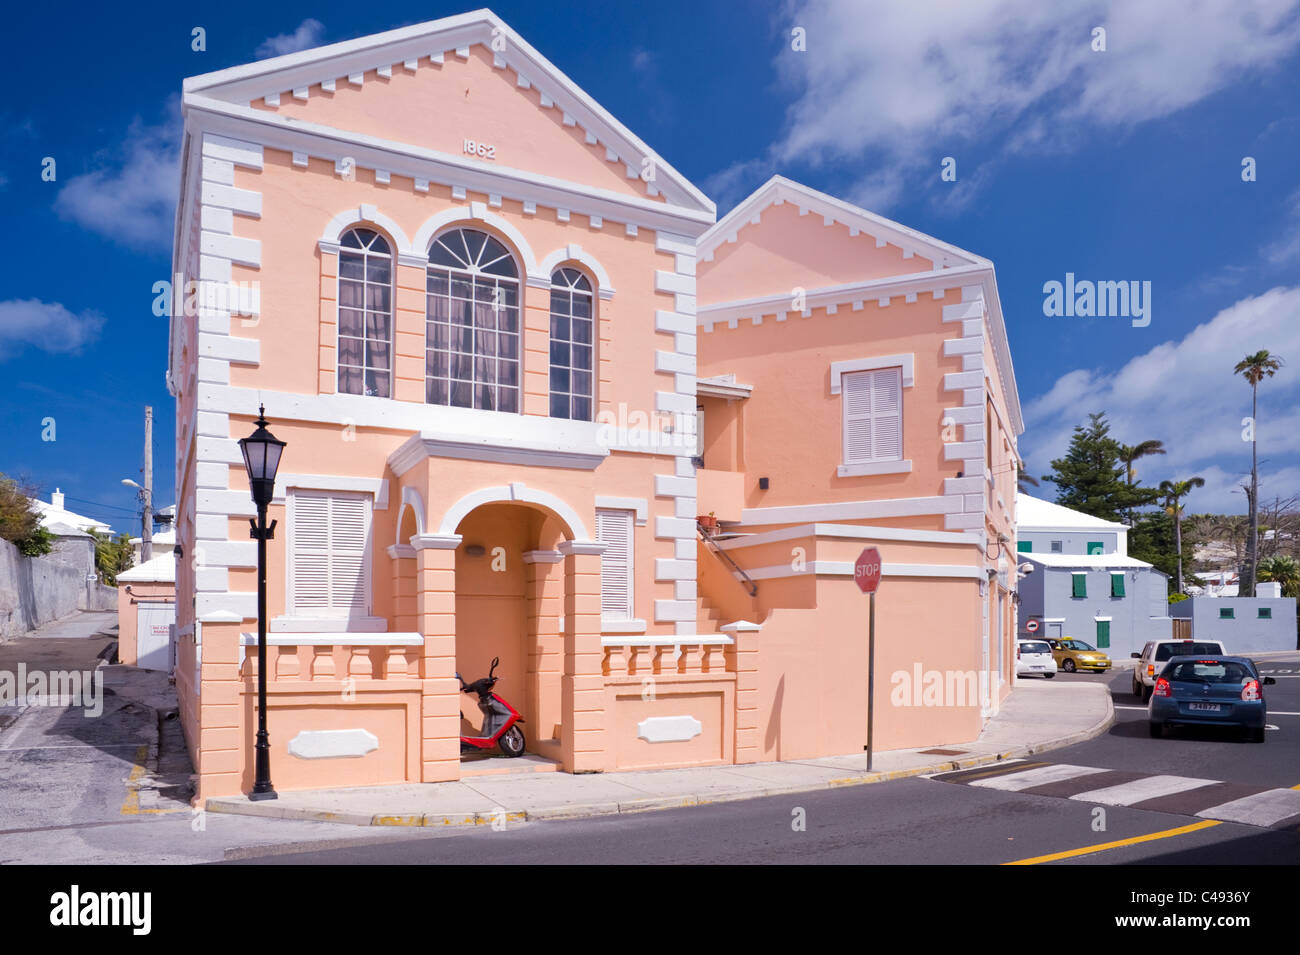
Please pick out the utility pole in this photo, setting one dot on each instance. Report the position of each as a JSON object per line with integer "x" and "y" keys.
{"x": 146, "y": 536}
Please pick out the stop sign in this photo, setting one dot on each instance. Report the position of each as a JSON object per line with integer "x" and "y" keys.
{"x": 866, "y": 570}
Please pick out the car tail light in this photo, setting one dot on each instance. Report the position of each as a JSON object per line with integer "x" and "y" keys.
{"x": 1251, "y": 690}
{"x": 1017, "y": 651}
{"x": 1162, "y": 688}
{"x": 1151, "y": 670}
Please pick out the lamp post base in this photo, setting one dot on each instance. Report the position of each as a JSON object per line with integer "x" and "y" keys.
{"x": 258, "y": 797}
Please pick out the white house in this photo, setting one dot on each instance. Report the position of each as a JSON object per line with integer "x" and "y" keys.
{"x": 55, "y": 513}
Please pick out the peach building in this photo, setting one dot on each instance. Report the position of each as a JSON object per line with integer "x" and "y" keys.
{"x": 467, "y": 297}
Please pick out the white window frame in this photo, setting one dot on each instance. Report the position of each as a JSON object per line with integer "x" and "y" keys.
{"x": 616, "y": 622}
{"x": 331, "y": 620}
{"x": 906, "y": 365}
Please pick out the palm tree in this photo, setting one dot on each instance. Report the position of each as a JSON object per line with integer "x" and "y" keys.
{"x": 1131, "y": 453}
{"x": 1174, "y": 492}
{"x": 1254, "y": 368}
{"x": 1285, "y": 570}
{"x": 1025, "y": 480}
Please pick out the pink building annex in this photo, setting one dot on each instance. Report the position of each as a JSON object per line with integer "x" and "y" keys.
{"x": 513, "y": 358}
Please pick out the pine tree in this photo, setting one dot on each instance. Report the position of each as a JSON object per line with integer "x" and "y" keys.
{"x": 1092, "y": 477}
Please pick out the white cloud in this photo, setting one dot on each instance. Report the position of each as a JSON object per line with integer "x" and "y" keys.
{"x": 131, "y": 198}
{"x": 309, "y": 34}
{"x": 1185, "y": 393}
{"x": 48, "y": 326}
{"x": 898, "y": 85}
{"x": 1287, "y": 247}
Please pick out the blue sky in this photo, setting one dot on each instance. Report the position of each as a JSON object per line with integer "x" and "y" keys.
{"x": 1115, "y": 164}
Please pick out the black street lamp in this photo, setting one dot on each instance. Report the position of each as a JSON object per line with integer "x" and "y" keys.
{"x": 262, "y": 452}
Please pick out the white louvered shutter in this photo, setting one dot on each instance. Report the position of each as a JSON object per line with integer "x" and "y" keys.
{"x": 873, "y": 416}
{"x": 349, "y": 529}
{"x": 887, "y": 413}
{"x": 614, "y": 530}
{"x": 857, "y": 417}
{"x": 311, "y": 552}
{"x": 329, "y": 549}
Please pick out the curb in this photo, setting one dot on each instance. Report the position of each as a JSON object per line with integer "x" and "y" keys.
{"x": 241, "y": 806}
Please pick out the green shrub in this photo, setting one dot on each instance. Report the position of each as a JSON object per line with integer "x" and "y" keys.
{"x": 37, "y": 544}
{"x": 19, "y": 521}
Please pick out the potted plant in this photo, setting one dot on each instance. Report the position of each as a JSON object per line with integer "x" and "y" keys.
{"x": 707, "y": 521}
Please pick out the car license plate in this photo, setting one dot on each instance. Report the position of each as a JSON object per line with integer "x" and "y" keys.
{"x": 1207, "y": 707}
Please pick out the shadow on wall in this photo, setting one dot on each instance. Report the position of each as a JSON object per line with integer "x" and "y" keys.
{"x": 773, "y": 740}
{"x": 37, "y": 590}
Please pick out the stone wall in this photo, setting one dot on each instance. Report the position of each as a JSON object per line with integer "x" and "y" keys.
{"x": 36, "y": 590}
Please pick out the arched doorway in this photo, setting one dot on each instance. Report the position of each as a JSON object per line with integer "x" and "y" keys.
{"x": 509, "y": 604}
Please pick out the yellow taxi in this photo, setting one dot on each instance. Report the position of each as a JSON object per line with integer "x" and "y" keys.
{"x": 1071, "y": 655}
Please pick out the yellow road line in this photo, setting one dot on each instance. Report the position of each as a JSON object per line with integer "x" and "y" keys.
{"x": 132, "y": 805}
{"x": 1088, "y": 850}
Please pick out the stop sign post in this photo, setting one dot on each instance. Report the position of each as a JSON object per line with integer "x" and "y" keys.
{"x": 866, "y": 574}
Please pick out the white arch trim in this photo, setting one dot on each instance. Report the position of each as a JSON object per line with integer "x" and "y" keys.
{"x": 329, "y": 239}
{"x": 410, "y": 498}
{"x": 475, "y": 212}
{"x": 516, "y": 492}
{"x": 575, "y": 253}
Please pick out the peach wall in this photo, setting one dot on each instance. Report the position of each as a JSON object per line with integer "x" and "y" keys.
{"x": 297, "y": 204}
{"x": 788, "y": 250}
{"x": 127, "y": 615}
{"x": 792, "y": 422}
{"x": 439, "y": 107}
{"x": 812, "y": 667}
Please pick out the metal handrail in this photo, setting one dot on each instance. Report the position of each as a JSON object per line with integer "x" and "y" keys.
{"x": 751, "y": 585}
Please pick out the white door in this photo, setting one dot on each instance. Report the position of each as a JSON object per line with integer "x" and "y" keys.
{"x": 154, "y": 623}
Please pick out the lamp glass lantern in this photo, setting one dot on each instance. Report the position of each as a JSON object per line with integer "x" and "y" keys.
{"x": 261, "y": 451}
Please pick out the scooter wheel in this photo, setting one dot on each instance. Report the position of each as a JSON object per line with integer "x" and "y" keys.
{"x": 512, "y": 742}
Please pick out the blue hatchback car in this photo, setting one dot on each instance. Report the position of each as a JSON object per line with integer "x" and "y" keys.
{"x": 1211, "y": 690}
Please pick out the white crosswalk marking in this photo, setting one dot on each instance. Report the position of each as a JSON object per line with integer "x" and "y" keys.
{"x": 1149, "y": 787}
{"x": 1014, "y": 782}
{"x": 1261, "y": 809}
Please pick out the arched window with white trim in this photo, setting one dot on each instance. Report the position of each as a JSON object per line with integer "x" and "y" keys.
{"x": 472, "y": 333}
{"x": 573, "y": 345}
{"x": 365, "y": 314}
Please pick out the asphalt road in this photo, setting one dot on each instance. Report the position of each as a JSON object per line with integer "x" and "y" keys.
{"x": 926, "y": 821}
{"x": 64, "y": 798}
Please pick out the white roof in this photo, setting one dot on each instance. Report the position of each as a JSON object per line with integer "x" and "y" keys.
{"x": 159, "y": 539}
{"x": 1085, "y": 561}
{"x": 162, "y": 569}
{"x": 1033, "y": 514}
{"x": 51, "y": 515}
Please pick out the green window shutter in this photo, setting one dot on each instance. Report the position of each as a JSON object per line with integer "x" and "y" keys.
{"x": 1225, "y": 613}
{"x": 1096, "y": 547}
{"x": 1265, "y": 613}
{"x": 1024, "y": 547}
{"x": 1080, "y": 585}
{"x": 1103, "y": 634}
{"x": 1117, "y": 585}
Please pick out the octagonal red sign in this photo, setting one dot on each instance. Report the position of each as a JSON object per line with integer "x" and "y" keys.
{"x": 866, "y": 570}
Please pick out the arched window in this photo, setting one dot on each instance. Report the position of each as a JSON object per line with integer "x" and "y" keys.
{"x": 472, "y": 345}
{"x": 572, "y": 345}
{"x": 365, "y": 314}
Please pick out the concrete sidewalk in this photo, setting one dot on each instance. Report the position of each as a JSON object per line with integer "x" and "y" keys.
{"x": 1038, "y": 716}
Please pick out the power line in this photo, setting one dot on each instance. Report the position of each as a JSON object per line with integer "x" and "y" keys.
{"x": 111, "y": 507}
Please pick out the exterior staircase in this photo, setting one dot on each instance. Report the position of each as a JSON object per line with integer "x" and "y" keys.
{"x": 708, "y": 618}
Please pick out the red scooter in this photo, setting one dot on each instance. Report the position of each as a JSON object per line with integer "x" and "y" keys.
{"x": 500, "y": 719}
